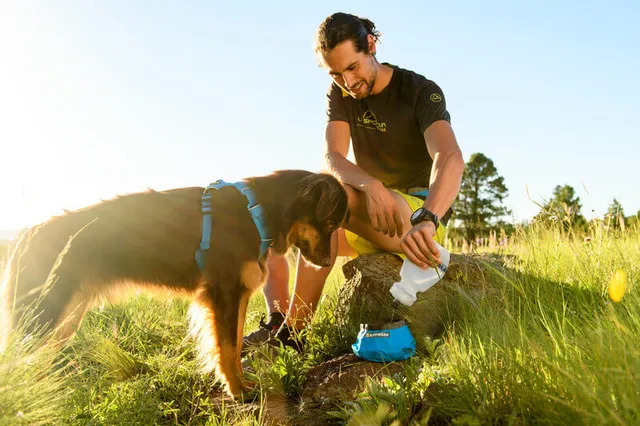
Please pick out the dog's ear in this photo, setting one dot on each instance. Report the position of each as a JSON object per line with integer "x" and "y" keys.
{"x": 322, "y": 191}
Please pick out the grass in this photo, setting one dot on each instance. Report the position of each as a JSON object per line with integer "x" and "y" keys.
{"x": 4, "y": 252}
{"x": 552, "y": 349}
{"x": 33, "y": 387}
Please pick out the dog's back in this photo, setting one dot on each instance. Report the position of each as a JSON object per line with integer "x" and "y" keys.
{"x": 130, "y": 238}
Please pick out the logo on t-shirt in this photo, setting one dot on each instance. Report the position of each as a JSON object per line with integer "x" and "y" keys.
{"x": 435, "y": 97}
{"x": 369, "y": 121}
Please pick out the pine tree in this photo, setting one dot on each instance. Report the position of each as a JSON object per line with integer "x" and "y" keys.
{"x": 482, "y": 193}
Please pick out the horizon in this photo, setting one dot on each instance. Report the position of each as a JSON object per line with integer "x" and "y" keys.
{"x": 99, "y": 100}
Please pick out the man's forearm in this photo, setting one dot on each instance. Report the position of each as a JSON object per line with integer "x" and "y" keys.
{"x": 348, "y": 173}
{"x": 446, "y": 177}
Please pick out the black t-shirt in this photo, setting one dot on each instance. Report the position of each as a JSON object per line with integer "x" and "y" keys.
{"x": 387, "y": 129}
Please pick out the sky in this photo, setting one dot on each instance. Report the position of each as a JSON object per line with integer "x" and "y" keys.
{"x": 106, "y": 98}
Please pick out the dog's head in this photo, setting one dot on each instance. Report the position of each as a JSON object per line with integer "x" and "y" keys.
{"x": 320, "y": 209}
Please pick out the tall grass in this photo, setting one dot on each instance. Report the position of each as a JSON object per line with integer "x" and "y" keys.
{"x": 552, "y": 348}
{"x": 33, "y": 387}
{"x": 129, "y": 364}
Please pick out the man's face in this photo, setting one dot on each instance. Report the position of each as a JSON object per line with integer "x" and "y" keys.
{"x": 354, "y": 71}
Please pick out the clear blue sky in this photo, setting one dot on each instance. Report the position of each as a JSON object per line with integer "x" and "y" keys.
{"x": 103, "y": 98}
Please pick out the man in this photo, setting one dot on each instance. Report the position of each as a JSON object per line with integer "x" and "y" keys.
{"x": 403, "y": 145}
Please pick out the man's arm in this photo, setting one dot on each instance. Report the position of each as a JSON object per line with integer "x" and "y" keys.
{"x": 446, "y": 177}
{"x": 384, "y": 215}
{"x": 337, "y": 141}
{"x": 448, "y": 166}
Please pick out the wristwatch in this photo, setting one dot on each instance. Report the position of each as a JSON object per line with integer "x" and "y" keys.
{"x": 423, "y": 214}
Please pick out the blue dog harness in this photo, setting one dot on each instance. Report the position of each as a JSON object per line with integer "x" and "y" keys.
{"x": 255, "y": 209}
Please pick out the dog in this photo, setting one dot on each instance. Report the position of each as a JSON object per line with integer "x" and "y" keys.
{"x": 148, "y": 240}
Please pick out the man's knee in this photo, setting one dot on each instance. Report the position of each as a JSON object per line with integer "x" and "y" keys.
{"x": 343, "y": 248}
{"x": 358, "y": 203}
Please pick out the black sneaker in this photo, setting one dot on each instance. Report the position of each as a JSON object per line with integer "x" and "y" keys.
{"x": 264, "y": 333}
{"x": 289, "y": 337}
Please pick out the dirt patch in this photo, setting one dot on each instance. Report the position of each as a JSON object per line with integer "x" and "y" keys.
{"x": 344, "y": 377}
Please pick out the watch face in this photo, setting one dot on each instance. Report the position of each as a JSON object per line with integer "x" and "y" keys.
{"x": 415, "y": 215}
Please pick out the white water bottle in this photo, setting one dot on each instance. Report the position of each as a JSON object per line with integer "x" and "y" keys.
{"x": 415, "y": 279}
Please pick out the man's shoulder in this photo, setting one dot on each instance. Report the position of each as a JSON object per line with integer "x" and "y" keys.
{"x": 411, "y": 80}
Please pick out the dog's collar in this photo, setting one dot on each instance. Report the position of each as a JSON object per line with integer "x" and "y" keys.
{"x": 255, "y": 209}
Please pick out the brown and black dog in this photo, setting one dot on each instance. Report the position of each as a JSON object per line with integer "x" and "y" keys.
{"x": 149, "y": 240}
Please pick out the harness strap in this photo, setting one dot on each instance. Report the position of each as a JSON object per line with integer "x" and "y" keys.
{"x": 255, "y": 209}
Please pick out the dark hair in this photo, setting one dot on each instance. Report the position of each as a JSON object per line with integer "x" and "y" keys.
{"x": 341, "y": 27}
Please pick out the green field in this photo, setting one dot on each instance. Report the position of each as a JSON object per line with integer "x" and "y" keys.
{"x": 552, "y": 349}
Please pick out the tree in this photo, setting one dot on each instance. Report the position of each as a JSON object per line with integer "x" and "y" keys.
{"x": 615, "y": 215}
{"x": 565, "y": 207}
{"x": 634, "y": 221}
{"x": 482, "y": 193}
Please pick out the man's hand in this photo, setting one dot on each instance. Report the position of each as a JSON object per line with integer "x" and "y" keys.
{"x": 420, "y": 247}
{"x": 384, "y": 214}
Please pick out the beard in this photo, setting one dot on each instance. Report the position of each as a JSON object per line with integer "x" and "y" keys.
{"x": 364, "y": 88}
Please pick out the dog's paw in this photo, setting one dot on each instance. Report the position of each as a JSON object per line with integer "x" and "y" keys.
{"x": 249, "y": 394}
{"x": 249, "y": 386}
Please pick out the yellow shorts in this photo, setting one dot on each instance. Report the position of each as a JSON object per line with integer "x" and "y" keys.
{"x": 364, "y": 246}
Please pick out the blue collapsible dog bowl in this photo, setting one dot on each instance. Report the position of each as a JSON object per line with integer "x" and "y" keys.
{"x": 384, "y": 342}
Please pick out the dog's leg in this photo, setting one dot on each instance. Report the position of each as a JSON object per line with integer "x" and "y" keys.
{"x": 242, "y": 315}
{"x": 222, "y": 310}
{"x": 71, "y": 317}
{"x": 44, "y": 294}
{"x": 230, "y": 354}
{"x": 226, "y": 330}
{"x": 252, "y": 277}
{"x": 59, "y": 311}
{"x": 215, "y": 319}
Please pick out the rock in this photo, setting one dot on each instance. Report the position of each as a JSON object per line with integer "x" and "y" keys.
{"x": 365, "y": 297}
